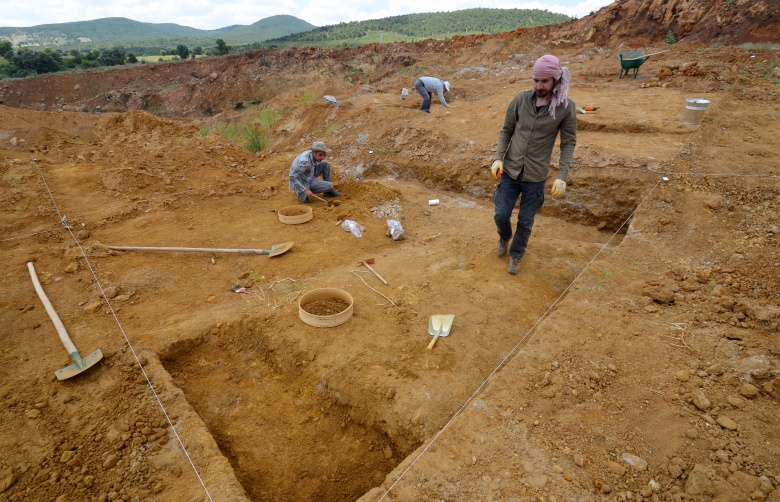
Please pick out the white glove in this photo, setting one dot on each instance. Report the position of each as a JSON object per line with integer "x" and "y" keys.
{"x": 497, "y": 168}
{"x": 558, "y": 188}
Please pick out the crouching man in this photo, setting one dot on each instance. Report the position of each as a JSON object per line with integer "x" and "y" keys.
{"x": 306, "y": 170}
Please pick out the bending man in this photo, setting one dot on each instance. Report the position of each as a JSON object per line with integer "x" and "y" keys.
{"x": 428, "y": 85}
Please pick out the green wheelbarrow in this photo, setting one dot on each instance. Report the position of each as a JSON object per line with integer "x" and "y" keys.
{"x": 633, "y": 60}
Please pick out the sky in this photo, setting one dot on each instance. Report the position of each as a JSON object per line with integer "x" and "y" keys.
{"x": 214, "y": 14}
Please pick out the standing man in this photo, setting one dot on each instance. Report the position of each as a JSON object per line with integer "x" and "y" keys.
{"x": 305, "y": 171}
{"x": 428, "y": 85}
{"x": 533, "y": 120}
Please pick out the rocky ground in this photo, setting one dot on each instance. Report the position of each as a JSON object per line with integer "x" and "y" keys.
{"x": 635, "y": 356}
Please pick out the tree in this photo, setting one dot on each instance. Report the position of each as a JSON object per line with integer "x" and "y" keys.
{"x": 113, "y": 57}
{"x": 222, "y": 47}
{"x": 197, "y": 50}
{"x": 30, "y": 62}
{"x": 75, "y": 56}
{"x": 6, "y": 49}
{"x": 182, "y": 51}
{"x": 131, "y": 58}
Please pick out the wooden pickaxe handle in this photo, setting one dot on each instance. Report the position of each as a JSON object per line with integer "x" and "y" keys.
{"x": 374, "y": 272}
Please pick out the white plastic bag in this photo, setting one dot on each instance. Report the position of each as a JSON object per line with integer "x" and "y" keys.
{"x": 396, "y": 230}
{"x": 354, "y": 227}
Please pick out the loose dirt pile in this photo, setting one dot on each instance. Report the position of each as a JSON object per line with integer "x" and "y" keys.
{"x": 635, "y": 356}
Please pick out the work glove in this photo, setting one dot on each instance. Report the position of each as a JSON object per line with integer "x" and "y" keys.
{"x": 497, "y": 168}
{"x": 558, "y": 188}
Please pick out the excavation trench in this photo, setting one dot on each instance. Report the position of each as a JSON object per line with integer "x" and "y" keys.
{"x": 287, "y": 437}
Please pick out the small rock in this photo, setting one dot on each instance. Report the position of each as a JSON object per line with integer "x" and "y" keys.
{"x": 736, "y": 402}
{"x": 72, "y": 267}
{"x": 634, "y": 461}
{"x": 33, "y": 414}
{"x": 700, "y": 400}
{"x": 579, "y": 459}
{"x": 682, "y": 375}
{"x": 616, "y": 468}
{"x": 66, "y": 456}
{"x": 748, "y": 390}
{"x": 111, "y": 461}
{"x": 7, "y": 478}
{"x": 691, "y": 433}
{"x": 110, "y": 292}
{"x": 715, "y": 369}
{"x": 93, "y": 307}
{"x": 726, "y": 423}
{"x": 700, "y": 481}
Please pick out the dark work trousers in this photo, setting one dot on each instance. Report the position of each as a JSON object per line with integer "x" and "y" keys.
{"x": 426, "y": 104}
{"x": 531, "y": 196}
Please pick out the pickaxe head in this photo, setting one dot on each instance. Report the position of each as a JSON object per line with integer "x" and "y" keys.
{"x": 369, "y": 261}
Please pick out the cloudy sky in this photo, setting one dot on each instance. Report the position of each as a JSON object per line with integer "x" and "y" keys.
{"x": 213, "y": 14}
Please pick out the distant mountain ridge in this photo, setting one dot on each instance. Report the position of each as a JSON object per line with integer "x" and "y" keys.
{"x": 148, "y": 38}
{"x": 123, "y": 31}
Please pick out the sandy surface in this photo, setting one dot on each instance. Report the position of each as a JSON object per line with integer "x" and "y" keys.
{"x": 635, "y": 356}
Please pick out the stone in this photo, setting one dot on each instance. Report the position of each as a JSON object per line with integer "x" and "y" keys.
{"x": 700, "y": 481}
{"x": 682, "y": 375}
{"x": 726, "y": 423}
{"x": 616, "y": 468}
{"x": 745, "y": 482}
{"x": 700, "y": 400}
{"x": 634, "y": 461}
{"x": 748, "y": 390}
{"x": 7, "y": 478}
{"x": 111, "y": 461}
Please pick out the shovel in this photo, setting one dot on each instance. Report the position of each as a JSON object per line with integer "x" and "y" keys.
{"x": 79, "y": 363}
{"x": 439, "y": 325}
{"x": 275, "y": 250}
{"x": 328, "y": 202}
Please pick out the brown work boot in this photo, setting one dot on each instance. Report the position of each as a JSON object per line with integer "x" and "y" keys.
{"x": 502, "y": 247}
{"x": 514, "y": 266}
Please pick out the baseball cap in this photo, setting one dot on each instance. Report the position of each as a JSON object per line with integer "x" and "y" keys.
{"x": 319, "y": 146}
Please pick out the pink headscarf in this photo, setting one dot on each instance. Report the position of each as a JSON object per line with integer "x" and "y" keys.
{"x": 548, "y": 66}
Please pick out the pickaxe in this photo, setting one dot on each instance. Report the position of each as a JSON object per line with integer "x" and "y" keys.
{"x": 367, "y": 263}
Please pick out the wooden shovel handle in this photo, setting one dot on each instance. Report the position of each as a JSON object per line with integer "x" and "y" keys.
{"x": 61, "y": 331}
{"x": 433, "y": 342}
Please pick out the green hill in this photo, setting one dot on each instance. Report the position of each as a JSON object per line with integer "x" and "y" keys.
{"x": 122, "y": 31}
{"x": 419, "y": 26}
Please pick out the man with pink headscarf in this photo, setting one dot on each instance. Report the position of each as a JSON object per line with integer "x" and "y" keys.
{"x": 521, "y": 163}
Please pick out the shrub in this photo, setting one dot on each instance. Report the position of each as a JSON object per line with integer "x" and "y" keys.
{"x": 670, "y": 38}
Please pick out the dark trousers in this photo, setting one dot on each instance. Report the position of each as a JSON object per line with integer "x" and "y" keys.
{"x": 531, "y": 195}
{"x": 426, "y": 104}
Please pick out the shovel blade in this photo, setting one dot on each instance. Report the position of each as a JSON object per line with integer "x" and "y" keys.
{"x": 440, "y": 325}
{"x": 278, "y": 249}
{"x": 80, "y": 364}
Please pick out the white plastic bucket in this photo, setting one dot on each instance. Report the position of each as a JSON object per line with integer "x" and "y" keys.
{"x": 694, "y": 110}
{"x": 404, "y": 93}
